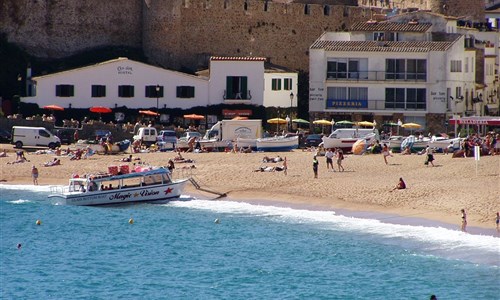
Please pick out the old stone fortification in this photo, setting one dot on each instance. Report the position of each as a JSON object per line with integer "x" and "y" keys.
{"x": 184, "y": 33}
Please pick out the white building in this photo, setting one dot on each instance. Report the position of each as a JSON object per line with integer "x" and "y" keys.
{"x": 123, "y": 82}
{"x": 414, "y": 67}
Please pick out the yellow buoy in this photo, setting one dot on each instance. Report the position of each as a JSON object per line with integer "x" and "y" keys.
{"x": 131, "y": 221}
{"x": 38, "y": 222}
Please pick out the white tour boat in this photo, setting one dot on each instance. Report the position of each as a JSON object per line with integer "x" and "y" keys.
{"x": 345, "y": 138}
{"x": 278, "y": 143}
{"x": 146, "y": 186}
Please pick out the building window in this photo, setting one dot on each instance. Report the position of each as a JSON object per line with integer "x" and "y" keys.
{"x": 358, "y": 93}
{"x": 236, "y": 87}
{"x": 400, "y": 98}
{"x": 378, "y": 36}
{"x": 65, "y": 90}
{"x": 458, "y": 92}
{"x": 151, "y": 91}
{"x": 98, "y": 91}
{"x": 393, "y": 36}
{"x": 126, "y": 91}
{"x": 466, "y": 65}
{"x": 245, "y": 6}
{"x": 266, "y": 6}
{"x": 327, "y": 10}
{"x": 276, "y": 84}
{"x": 307, "y": 9}
{"x": 226, "y": 4}
{"x": 416, "y": 69}
{"x": 352, "y": 68}
{"x": 395, "y": 69}
{"x": 456, "y": 66}
{"x": 185, "y": 92}
{"x": 287, "y": 84}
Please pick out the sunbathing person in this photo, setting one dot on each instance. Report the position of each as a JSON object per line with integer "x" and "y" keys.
{"x": 3, "y": 154}
{"x": 267, "y": 159}
{"x": 265, "y": 169}
{"x": 55, "y": 162}
{"x": 401, "y": 185}
{"x": 126, "y": 159}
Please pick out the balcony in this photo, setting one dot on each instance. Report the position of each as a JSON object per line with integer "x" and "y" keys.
{"x": 237, "y": 97}
{"x": 373, "y": 105}
{"x": 376, "y": 76}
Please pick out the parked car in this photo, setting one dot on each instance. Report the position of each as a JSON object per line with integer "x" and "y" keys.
{"x": 189, "y": 134}
{"x": 313, "y": 140}
{"x": 65, "y": 135}
{"x": 101, "y": 134}
{"x": 5, "y": 136}
{"x": 167, "y": 138}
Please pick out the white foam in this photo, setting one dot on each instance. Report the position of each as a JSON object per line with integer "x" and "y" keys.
{"x": 20, "y": 201}
{"x": 34, "y": 188}
{"x": 438, "y": 241}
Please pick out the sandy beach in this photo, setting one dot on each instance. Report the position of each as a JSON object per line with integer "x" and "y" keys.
{"x": 434, "y": 193}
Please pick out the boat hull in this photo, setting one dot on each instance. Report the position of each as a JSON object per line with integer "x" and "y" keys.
{"x": 276, "y": 144}
{"x": 345, "y": 144}
{"x": 148, "y": 193}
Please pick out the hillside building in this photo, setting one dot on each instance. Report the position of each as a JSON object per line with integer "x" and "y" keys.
{"x": 124, "y": 82}
{"x": 416, "y": 67}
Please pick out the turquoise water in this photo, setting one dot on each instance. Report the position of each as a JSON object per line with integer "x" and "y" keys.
{"x": 177, "y": 251}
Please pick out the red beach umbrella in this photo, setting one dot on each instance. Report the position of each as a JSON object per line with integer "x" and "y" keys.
{"x": 100, "y": 109}
{"x": 148, "y": 113}
{"x": 53, "y": 107}
{"x": 194, "y": 117}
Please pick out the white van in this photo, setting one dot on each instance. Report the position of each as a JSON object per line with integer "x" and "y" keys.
{"x": 34, "y": 136}
{"x": 148, "y": 135}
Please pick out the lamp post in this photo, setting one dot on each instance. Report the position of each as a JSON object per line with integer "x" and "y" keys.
{"x": 399, "y": 124}
{"x": 157, "y": 100}
{"x": 291, "y": 105}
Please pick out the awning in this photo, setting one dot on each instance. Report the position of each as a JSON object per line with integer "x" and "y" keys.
{"x": 489, "y": 121}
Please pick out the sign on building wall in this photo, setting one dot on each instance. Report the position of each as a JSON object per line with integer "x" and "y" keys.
{"x": 316, "y": 94}
{"x": 331, "y": 103}
{"x": 124, "y": 70}
{"x": 438, "y": 96}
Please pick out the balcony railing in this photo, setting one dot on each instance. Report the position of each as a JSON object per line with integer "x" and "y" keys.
{"x": 373, "y": 105}
{"x": 376, "y": 76}
{"x": 241, "y": 95}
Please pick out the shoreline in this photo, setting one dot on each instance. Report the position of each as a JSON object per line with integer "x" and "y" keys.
{"x": 434, "y": 195}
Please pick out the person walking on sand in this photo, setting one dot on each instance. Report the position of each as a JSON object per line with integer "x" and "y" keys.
{"x": 329, "y": 159}
{"x": 340, "y": 158}
{"x": 34, "y": 175}
{"x": 315, "y": 166}
{"x": 285, "y": 166}
{"x": 429, "y": 156}
{"x": 385, "y": 153}
{"x": 464, "y": 221}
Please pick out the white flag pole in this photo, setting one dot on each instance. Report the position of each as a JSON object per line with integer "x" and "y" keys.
{"x": 477, "y": 155}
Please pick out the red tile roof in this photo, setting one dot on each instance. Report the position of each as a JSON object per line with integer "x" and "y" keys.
{"x": 390, "y": 26}
{"x": 373, "y": 46}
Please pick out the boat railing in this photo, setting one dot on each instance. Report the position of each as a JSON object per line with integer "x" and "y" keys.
{"x": 59, "y": 189}
{"x": 182, "y": 173}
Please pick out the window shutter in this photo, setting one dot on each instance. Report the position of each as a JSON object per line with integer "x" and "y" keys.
{"x": 229, "y": 87}
{"x": 244, "y": 87}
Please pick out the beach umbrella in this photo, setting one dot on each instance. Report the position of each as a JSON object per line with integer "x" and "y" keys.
{"x": 53, "y": 107}
{"x": 344, "y": 122}
{"x": 239, "y": 118}
{"x": 149, "y": 113}
{"x": 411, "y": 125}
{"x": 100, "y": 110}
{"x": 322, "y": 122}
{"x": 390, "y": 124}
{"x": 277, "y": 121}
{"x": 300, "y": 121}
{"x": 194, "y": 117}
{"x": 365, "y": 123}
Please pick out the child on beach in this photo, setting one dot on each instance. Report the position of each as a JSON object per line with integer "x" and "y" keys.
{"x": 385, "y": 152}
{"x": 315, "y": 166}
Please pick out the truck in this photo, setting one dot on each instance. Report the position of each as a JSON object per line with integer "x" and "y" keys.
{"x": 231, "y": 130}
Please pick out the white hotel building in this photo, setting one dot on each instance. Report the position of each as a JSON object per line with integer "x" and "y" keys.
{"x": 414, "y": 67}
{"x": 124, "y": 82}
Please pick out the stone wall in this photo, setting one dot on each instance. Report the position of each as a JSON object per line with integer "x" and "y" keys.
{"x": 53, "y": 29}
{"x": 177, "y": 34}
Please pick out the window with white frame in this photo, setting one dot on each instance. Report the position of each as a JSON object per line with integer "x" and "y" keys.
{"x": 406, "y": 69}
{"x": 347, "y": 68}
{"x": 378, "y": 36}
{"x": 347, "y": 93}
{"x": 456, "y": 66}
{"x": 276, "y": 84}
{"x": 409, "y": 98}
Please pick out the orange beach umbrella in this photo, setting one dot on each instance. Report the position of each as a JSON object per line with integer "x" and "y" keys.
{"x": 53, "y": 107}
{"x": 194, "y": 117}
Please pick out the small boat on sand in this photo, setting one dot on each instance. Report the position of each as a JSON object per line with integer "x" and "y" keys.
{"x": 146, "y": 185}
{"x": 278, "y": 143}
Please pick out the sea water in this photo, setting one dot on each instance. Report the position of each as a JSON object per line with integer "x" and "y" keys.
{"x": 178, "y": 251}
